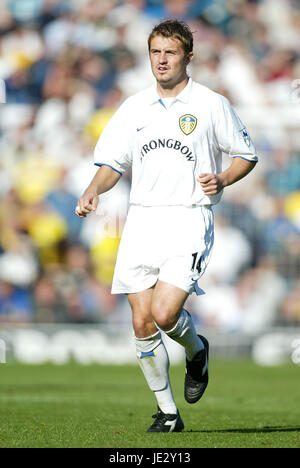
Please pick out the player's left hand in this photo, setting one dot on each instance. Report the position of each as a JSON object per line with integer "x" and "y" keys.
{"x": 211, "y": 183}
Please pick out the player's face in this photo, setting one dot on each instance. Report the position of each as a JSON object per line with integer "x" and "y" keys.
{"x": 168, "y": 61}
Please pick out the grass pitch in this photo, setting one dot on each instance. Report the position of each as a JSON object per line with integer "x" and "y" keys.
{"x": 245, "y": 406}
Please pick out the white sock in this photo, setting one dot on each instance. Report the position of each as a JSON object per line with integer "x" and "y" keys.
{"x": 165, "y": 400}
{"x": 185, "y": 334}
{"x": 154, "y": 362}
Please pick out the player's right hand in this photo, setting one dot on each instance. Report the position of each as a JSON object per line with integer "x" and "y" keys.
{"x": 86, "y": 204}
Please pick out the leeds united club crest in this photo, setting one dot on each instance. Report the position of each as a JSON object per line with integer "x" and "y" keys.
{"x": 187, "y": 123}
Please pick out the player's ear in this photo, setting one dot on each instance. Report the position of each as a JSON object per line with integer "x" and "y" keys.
{"x": 189, "y": 57}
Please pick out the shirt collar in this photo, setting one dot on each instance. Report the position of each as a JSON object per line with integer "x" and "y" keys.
{"x": 183, "y": 96}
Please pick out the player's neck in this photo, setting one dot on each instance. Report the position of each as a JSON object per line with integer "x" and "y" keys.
{"x": 166, "y": 90}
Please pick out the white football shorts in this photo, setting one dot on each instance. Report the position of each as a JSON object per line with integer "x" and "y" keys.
{"x": 167, "y": 243}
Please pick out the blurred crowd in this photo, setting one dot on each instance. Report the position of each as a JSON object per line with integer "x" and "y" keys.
{"x": 67, "y": 65}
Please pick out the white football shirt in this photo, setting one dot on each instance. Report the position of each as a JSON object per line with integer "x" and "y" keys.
{"x": 168, "y": 145}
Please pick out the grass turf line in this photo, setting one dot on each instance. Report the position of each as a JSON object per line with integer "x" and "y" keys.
{"x": 110, "y": 407}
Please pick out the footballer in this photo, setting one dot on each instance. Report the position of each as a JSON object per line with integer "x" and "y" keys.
{"x": 172, "y": 135}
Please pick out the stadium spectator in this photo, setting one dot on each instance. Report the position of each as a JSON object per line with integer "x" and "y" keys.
{"x": 15, "y": 304}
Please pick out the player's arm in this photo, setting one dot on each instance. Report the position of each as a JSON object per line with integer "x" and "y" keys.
{"x": 104, "y": 179}
{"x": 213, "y": 183}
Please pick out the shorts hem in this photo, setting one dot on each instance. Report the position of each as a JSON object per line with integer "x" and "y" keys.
{"x": 127, "y": 291}
{"x": 177, "y": 285}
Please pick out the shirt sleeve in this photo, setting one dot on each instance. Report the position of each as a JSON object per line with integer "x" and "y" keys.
{"x": 113, "y": 147}
{"x": 231, "y": 134}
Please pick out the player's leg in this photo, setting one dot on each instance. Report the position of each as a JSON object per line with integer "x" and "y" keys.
{"x": 154, "y": 362}
{"x": 142, "y": 320}
{"x": 169, "y": 314}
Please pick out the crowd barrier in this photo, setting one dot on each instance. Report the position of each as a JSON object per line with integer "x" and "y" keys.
{"x": 113, "y": 344}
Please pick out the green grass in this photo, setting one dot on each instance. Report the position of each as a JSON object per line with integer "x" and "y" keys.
{"x": 105, "y": 406}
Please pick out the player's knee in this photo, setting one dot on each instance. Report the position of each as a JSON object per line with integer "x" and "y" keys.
{"x": 143, "y": 326}
{"x": 163, "y": 316}
{"x": 140, "y": 328}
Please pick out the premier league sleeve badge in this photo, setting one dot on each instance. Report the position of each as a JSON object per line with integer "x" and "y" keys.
{"x": 246, "y": 137}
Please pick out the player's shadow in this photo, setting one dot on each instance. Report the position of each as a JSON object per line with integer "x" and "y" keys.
{"x": 251, "y": 430}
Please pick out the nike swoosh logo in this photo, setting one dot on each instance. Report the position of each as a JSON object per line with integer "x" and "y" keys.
{"x": 139, "y": 129}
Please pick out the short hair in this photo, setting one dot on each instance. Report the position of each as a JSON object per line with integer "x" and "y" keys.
{"x": 174, "y": 29}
